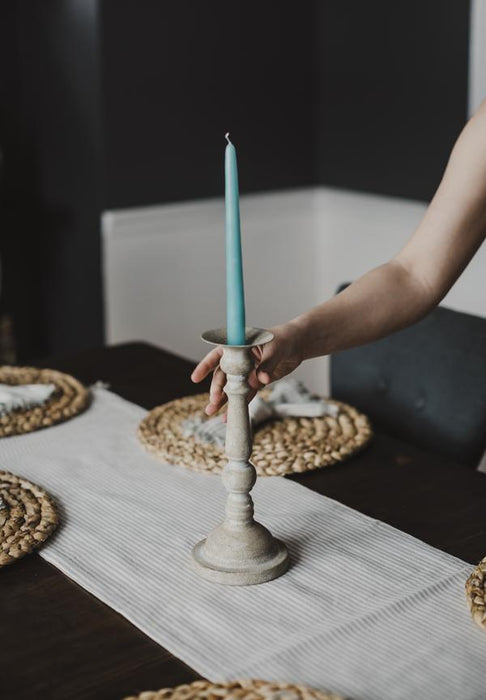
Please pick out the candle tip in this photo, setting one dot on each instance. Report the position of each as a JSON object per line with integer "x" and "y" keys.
{"x": 227, "y": 137}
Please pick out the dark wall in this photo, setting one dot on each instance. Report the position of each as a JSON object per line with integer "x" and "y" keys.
{"x": 367, "y": 96}
{"x": 178, "y": 75}
{"x": 71, "y": 162}
{"x": 392, "y": 93}
{"x": 53, "y": 176}
{"x": 20, "y": 208}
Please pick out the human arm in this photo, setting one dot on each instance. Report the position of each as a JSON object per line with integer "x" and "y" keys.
{"x": 396, "y": 294}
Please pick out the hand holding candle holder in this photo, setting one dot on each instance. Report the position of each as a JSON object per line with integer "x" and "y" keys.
{"x": 240, "y": 551}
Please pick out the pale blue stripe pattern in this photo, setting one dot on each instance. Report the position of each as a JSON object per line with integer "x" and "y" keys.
{"x": 365, "y": 609}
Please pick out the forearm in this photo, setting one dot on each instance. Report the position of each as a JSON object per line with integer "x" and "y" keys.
{"x": 384, "y": 300}
{"x": 402, "y": 291}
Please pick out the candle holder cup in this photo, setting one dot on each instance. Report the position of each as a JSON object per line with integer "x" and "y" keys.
{"x": 239, "y": 551}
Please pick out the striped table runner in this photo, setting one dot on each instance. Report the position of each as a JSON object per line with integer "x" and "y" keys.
{"x": 365, "y": 610}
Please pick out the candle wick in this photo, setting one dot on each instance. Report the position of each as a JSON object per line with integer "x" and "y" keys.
{"x": 227, "y": 137}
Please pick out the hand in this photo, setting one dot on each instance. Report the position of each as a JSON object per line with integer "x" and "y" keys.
{"x": 272, "y": 361}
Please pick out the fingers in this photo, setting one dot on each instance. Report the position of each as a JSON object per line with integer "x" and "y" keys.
{"x": 217, "y": 397}
{"x": 266, "y": 358}
{"x": 266, "y": 368}
{"x": 253, "y": 383}
{"x": 207, "y": 365}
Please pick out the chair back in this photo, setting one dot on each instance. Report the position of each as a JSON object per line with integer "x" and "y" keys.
{"x": 425, "y": 384}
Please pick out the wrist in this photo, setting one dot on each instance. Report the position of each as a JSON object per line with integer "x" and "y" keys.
{"x": 313, "y": 332}
{"x": 298, "y": 333}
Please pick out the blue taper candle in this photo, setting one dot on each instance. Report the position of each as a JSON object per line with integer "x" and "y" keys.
{"x": 235, "y": 296}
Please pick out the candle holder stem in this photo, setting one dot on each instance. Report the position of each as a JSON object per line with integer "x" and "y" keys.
{"x": 239, "y": 551}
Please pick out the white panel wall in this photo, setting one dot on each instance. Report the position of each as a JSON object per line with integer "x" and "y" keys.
{"x": 164, "y": 266}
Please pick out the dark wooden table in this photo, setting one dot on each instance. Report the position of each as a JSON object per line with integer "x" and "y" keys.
{"x": 58, "y": 642}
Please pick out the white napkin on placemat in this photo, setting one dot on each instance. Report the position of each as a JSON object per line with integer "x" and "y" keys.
{"x": 23, "y": 396}
{"x": 288, "y": 397}
{"x": 365, "y": 609}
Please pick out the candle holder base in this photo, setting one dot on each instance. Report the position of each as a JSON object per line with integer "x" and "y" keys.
{"x": 223, "y": 558}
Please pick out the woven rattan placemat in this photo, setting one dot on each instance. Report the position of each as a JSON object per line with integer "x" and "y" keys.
{"x": 476, "y": 594}
{"x": 237, "y": 690}
{"x": 70, "y": 397}
{"x": 280, "y": 446}
{"x": 27, "y": 517}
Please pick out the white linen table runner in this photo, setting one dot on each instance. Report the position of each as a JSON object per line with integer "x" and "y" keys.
{"x": 365, "y": 610}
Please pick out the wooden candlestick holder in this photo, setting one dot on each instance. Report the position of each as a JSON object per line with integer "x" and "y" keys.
{"x": 239, "y": 551}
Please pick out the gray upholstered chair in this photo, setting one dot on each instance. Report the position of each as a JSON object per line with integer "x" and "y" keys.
{"x": 425, "y": 384}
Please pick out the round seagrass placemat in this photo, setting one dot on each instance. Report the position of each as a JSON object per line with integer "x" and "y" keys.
{"x": 70, "y": 397}
{"x": 27, "y": 517}
{"x": 237, "y": 690}
{"x": 476, "y": 593}
{"x": 280, "y": 446}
